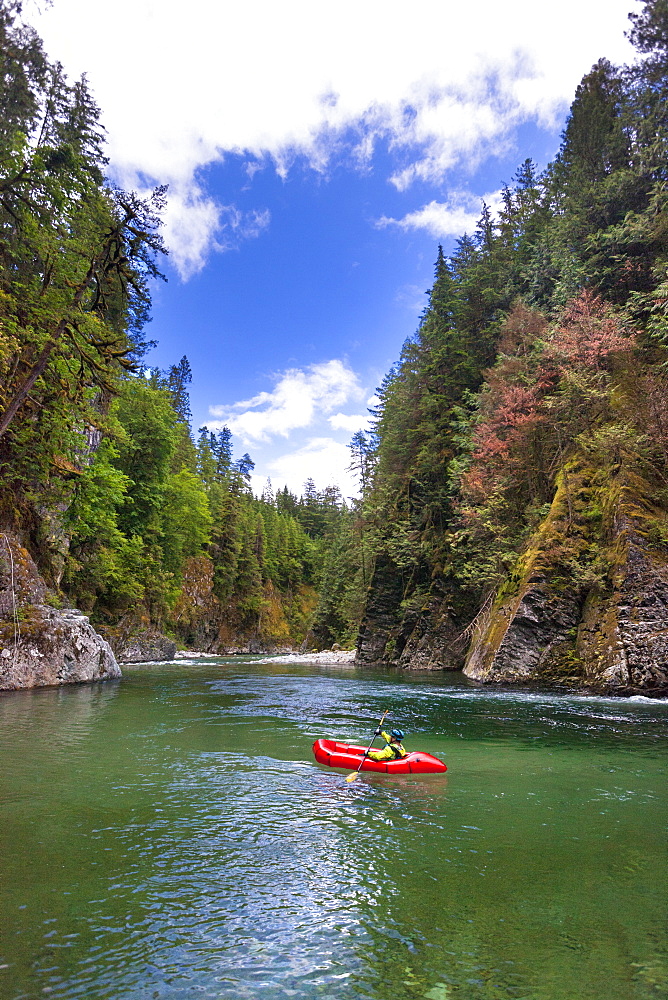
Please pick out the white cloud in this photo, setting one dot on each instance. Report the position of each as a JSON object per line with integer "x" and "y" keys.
{"x": 195, "y": 224}
{"x": 321, "y": 459}
{"x": 452, "y": 127}
{"x": 299, "y": 398}
{"x": 191, "y": 222}
{"x": 352, "y": 423}
{"x": 443, "y": 83}
{"x": 459, "y": 214}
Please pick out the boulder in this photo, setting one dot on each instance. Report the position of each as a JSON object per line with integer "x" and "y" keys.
{"x": 40, "y": 645}
{"x": 44, "y": 647}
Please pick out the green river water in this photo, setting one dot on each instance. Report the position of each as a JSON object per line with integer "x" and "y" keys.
{"x": 170, "y": 836}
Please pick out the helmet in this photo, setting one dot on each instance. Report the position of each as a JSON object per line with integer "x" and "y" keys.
{"x": 398, "y": 734}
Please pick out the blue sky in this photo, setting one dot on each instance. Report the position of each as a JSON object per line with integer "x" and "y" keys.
{"x": 316, "y": 154}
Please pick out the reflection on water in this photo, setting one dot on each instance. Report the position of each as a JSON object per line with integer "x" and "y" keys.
{"x": 77, "y": 707}
{"x": 171, "y": 837}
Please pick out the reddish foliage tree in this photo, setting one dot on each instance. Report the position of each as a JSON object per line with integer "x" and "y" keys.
{"x": 589, "y": 334}
{"x": 544, "y": 392}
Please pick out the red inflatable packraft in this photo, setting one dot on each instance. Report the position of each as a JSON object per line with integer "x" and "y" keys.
{"x": 336, "y": 754}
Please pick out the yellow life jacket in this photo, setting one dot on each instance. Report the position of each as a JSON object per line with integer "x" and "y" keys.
{"x": 396, "y": 748}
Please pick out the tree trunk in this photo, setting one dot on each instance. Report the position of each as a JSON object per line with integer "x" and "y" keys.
{"x": 43, "y": 359}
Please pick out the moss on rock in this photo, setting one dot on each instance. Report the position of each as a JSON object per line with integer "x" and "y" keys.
{"x": 587, "y": 602}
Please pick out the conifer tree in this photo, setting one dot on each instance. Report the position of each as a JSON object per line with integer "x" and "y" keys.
{"x": 178, "y": 379}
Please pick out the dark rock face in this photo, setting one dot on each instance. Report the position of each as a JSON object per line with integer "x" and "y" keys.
{"x": 39, "y": 645}
{"x": 424, "y": 638}
{"x": 433, "y": 642}
{"x": 146, "y": 647}
{"x": 378, "y": 633}
{"x": 623, "y": 640}
{"x": 524, "y": 642}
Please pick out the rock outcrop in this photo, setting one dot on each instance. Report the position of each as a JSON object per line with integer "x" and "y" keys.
{"x": 40, "y": 645}
{"x": 433, "y": 642}
{"x": 587, "y": 605}
{"x": 584, "y": 608}
{"x": 53, "y": 647}
{"x": 623, "y": 641}
{"x": 377, "y": 638}
{"x": 421, "y": 636}
{"x": 146, "y": 647}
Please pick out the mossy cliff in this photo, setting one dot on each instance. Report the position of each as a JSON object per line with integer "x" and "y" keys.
{"x": 40, "y": 645}
{"x": 205, "y": 622}
{"x": 586, "y": 605}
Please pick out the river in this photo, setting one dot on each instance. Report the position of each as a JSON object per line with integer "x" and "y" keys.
{"x": 170, "y": 836}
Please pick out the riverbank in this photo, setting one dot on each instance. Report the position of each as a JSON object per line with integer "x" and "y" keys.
{"x": 341, "y": 656}
{"x": 326, "y": 656}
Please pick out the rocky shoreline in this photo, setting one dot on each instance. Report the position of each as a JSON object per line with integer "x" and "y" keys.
{"x": 526, "y": 639}
{"x": 340, "y": 656}
{"x": 583, "y": 608}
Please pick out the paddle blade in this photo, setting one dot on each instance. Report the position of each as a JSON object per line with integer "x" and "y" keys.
{"x": 351, "y": 777}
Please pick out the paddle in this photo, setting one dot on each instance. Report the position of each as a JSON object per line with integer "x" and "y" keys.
{"x": 351, "y": 777}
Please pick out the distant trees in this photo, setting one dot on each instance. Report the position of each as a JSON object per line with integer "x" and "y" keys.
{"x": 187, "y": 546}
